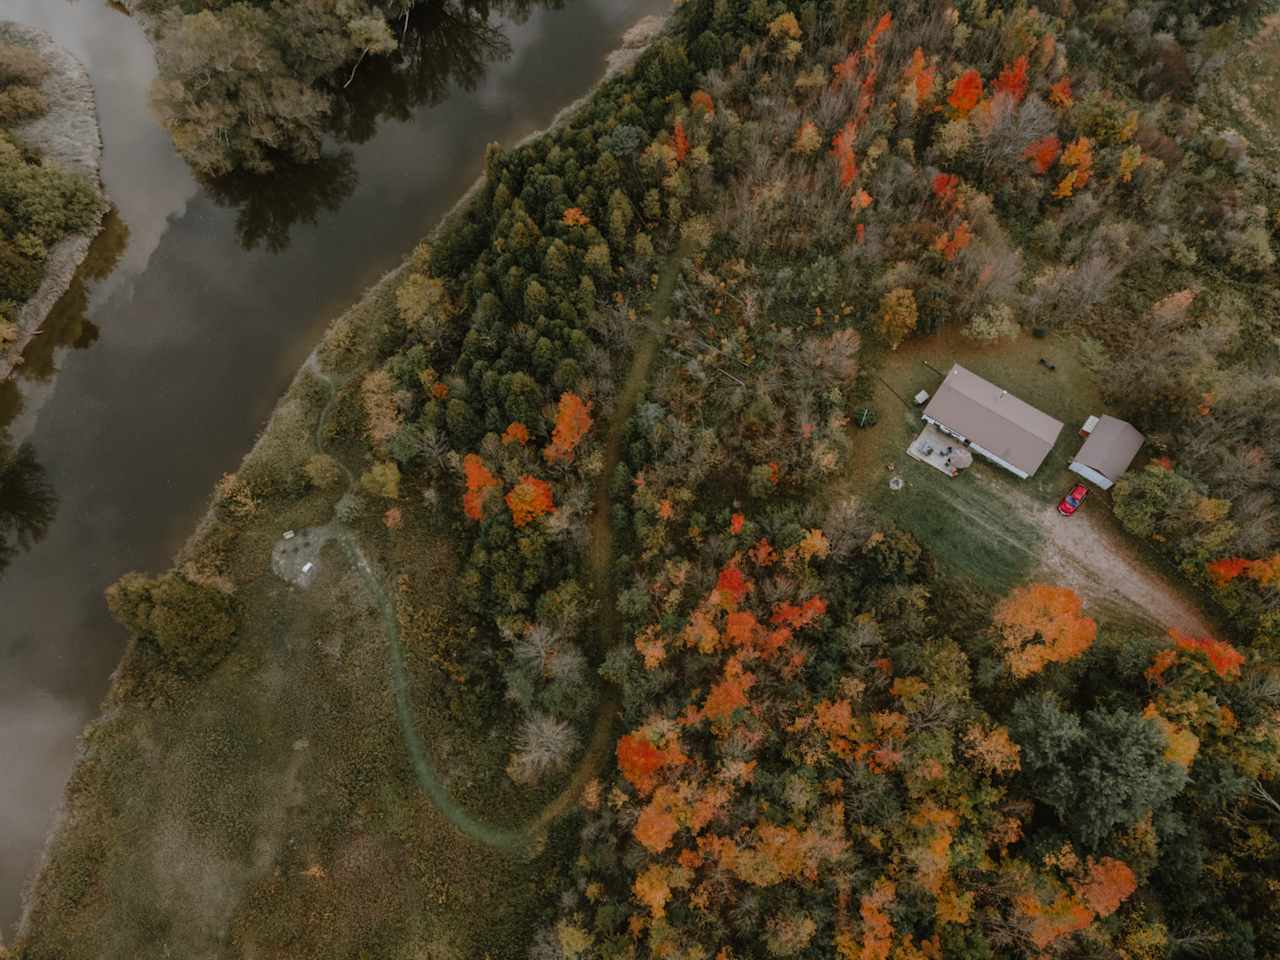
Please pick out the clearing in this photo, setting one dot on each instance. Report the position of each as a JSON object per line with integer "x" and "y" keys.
{"x": 986, "y": 524}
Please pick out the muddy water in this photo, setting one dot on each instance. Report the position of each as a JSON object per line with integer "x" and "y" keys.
{"x": 164, "y": 361}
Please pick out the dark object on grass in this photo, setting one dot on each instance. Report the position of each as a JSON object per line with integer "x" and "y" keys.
{"x": 1047, "y": 365}
{"x": 866, "y": 416}
{"x": 1039, "y": 332}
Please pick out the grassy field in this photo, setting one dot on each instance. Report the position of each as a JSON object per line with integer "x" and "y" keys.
{"x": 972, "y": 533}
{"x": 270, "y": 809}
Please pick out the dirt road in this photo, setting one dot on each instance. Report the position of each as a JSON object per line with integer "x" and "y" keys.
{"x": 1086, "y": 553}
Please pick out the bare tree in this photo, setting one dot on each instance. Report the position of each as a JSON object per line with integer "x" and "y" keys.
{"x": 543, "y": 745}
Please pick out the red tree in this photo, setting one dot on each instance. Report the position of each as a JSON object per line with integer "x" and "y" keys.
{"x": 1043, "y": 154}
{"x": 1013, "y": 79}
{"x": 967, "y": 92}
{"x": 479, "y": 482}
{"x": 573, "y": 420}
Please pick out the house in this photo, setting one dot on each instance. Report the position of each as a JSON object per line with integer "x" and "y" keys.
{"x": 1111, "y": 447}
{"x": 992, "y": 422}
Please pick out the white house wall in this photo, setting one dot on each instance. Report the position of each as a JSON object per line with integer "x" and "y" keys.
{"x": 998, "y": 462}
{"x": 944, "y": 429}
{"x": 1090, "y": 474}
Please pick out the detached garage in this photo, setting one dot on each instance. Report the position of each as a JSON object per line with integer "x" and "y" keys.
{"x": 1108, "y": 452}
{"x": 992, "y": 422}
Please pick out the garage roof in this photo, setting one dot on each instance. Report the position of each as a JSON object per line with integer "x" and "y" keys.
{"x": 994, "y": 419}
{"x": 1111, "y": 447}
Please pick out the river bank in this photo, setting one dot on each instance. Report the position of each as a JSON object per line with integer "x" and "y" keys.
{"x": 198, "y": 325}
{"x": 68, "y": 134}
{"x": 157, "y": 710}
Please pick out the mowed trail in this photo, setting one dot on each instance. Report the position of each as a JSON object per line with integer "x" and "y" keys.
{"x": 527, "y": 839}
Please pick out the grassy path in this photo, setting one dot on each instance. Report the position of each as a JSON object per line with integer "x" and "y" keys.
{"x": 528, "y": 839}
{"x": 429, "y": 779}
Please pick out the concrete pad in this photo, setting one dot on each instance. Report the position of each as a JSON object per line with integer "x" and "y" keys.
{"x": 945, "y": 454}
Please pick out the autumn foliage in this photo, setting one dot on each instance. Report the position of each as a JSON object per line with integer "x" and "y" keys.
{"x": 898, "y": 316}
{"x": 1013, "y": 79}
{"x": 1060, "y": 93}
{"x": 881, "y": 27}
{"x": 877, "y": 935}
{"x": 573, "y": 420}
{"x": 944, "y": 187}
{"x": 1107, "y": 884}
{"x": 529, "y": 499}
{"x": 992, "y": 750}
{"x": 516, "y": 432}
{"x": 479, "y": 482}
{"x": 1044, "y": 153}
{"x": 640, "y": 759}
{"x": 1042, "y": 624}
{"x": 1079, "y": 158}
{"x": 1225, "y": 659}
{"x": 951, "y": 243}
{"x": 842, "y": 150}
{"x": 1226, "y": 569}
{"x": 920, "y": 76}
{"x": 967, "y": 92}
{"x": 681, "y": 142}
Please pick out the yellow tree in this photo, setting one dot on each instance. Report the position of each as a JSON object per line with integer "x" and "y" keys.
{"x": 898, "y": 315}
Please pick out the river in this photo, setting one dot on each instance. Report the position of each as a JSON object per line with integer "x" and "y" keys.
{"x": 198, "y": 304}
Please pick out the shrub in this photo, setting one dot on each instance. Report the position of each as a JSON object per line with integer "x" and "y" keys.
{"x": 866, "y": 416}
{"x": 995, "y": 323}
{"x": 322, "y": 471}
{"x": 19, "y": 276}
{"x": 21, "y": 103}
{"x": 41, "y": 203}
{"x": 1251, "y": 249}
{"x": 20, "y": 65}
{"x": 382, "y": 480}
{"x": 191, "y": 625}
{"x": 278, "y": 462}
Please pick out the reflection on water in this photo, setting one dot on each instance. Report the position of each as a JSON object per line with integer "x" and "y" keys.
{"x": 216, "y": 299}
{"x": 68, "y": 324}
{"x": 443, "y": 46}
{"x": 28, "y": 503}
{"x": 269, "y": 206}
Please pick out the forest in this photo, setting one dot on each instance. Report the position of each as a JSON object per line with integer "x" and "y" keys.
{"x": 619, "y": 386}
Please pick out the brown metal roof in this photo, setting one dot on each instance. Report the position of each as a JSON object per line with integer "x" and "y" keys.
{"x": 1111, "y": 447}
{"x": 994, "y": 419}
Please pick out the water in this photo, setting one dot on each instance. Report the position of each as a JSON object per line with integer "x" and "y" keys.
{"x": 152, "y": 380}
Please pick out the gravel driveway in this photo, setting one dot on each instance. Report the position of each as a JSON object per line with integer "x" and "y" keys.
{"x": 1087, "y": 553}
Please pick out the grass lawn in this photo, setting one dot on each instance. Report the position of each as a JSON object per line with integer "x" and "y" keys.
{"x": 972, "y": 532}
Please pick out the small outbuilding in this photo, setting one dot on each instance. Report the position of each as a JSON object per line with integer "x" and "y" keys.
{"x": 1108, "y": 452}
{"x": 992, "y": 422}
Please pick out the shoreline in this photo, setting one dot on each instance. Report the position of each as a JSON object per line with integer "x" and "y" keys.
{"x": 635, "y": 40}
{"x": 69, "y": 135}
